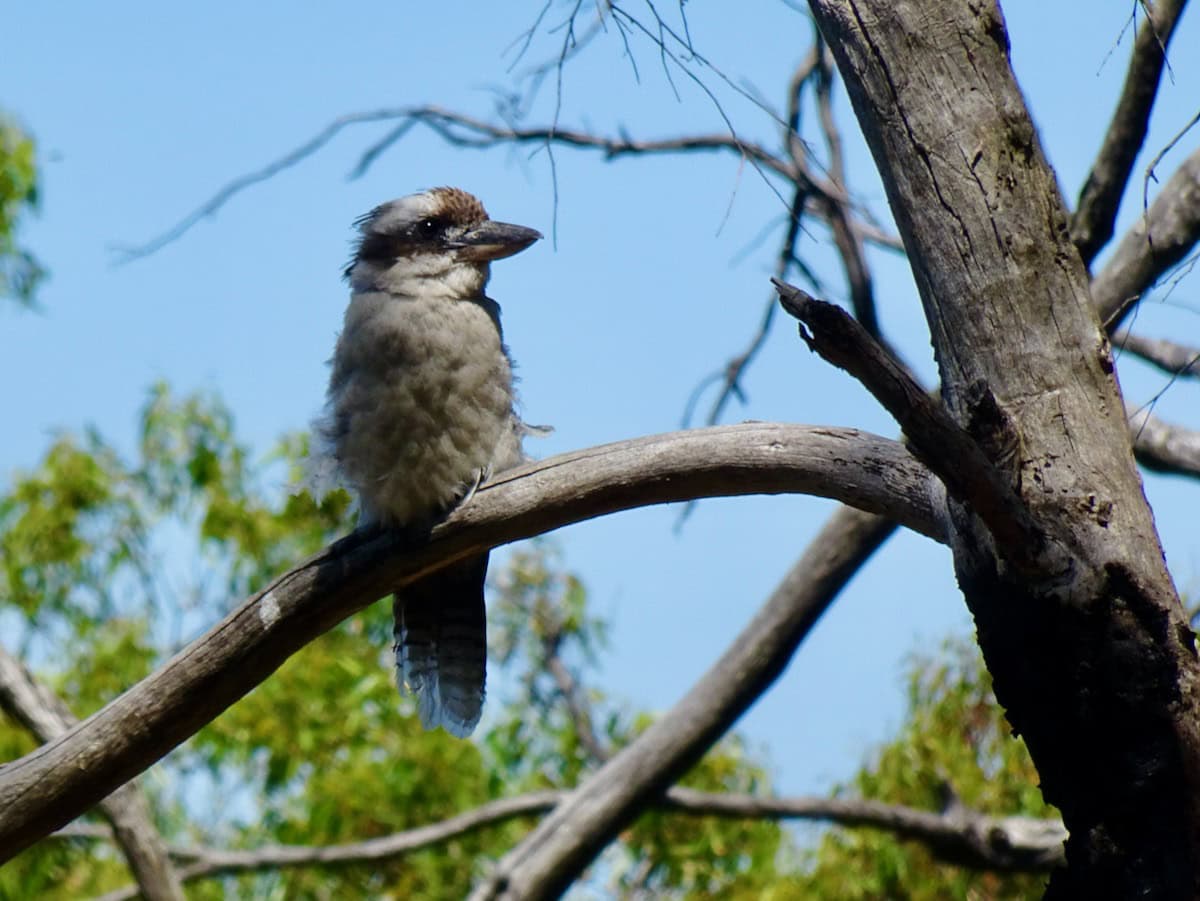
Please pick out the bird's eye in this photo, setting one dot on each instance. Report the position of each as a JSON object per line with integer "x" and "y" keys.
{"x": 429, "y": 228}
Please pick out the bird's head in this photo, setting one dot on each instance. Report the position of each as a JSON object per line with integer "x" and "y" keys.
{"x": 437, "y": 242}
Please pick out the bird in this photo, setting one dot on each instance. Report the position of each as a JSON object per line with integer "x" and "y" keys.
{"x": 420, "y": 411}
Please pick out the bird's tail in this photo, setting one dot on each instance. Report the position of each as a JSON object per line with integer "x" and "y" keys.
{"x": 441, "y": 645}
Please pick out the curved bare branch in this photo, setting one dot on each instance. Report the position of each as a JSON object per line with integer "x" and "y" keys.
{"x": 961, "y": 836}
{"x": 60, "y": 780}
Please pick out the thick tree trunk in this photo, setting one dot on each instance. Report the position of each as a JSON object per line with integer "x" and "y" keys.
{"x": 1081, "y": 627}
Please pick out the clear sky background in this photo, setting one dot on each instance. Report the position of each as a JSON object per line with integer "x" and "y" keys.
{"x": 657, "y": 274}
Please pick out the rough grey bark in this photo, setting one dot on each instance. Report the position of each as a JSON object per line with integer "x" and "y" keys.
{"x": 1082, "y": 629}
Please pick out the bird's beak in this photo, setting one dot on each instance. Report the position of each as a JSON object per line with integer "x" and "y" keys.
{"x": 494, "y": 241}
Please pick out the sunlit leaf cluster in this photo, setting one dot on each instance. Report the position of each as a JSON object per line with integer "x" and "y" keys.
{"x": 954, "y": 747}
{"x": 20, "y": 272}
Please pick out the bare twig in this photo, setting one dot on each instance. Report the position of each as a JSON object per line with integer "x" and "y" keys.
{"x": 570, "y": 691}
{"x": 45, "y": 715}
{"x": 963, "y": 836}
{"x": 466, "y": 131}
{"x": 1092, "y": 224}
{"x": 59, "y": 781}
{"x": 731, "y": 373}
{"x": 849, "y": 245}
{"x": 1151, "y": 174}
{"x": 834, "y": 209}
{"x": 210, "y": 862}
{"x": 242, "y": 182}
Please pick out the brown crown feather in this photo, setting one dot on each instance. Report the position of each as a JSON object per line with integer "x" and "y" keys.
{"x": 458, "y": 206}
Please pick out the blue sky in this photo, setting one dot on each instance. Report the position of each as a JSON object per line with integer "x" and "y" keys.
{"x": 653, "y": 280}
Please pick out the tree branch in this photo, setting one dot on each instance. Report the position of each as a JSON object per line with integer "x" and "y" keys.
{"x": 460, "y": 130}
{"x": 60, "y": 780}
{"x": 45, "y": 715}
{"x": 1158, "y": 241}
{"x": 1100, "y": 198}
{"x": 949, "y": 450}
{"x": 209, "y": 862}
{"x": 961, "y": 836}
{"x": 1163, "y": 447}
{"x": 849, "y": 245}
{"x": 552, "y": 855}
{"x": 577, "y": 707}
{"x": 1175, "y": 359}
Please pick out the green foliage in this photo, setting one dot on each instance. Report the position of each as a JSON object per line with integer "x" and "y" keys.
{"x": 20, "y": 273}
{"x": 705, "y": 857}
{"x": 955, "y": 742}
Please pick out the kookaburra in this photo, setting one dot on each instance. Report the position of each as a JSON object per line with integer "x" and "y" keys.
{"x": 420, "y": 411}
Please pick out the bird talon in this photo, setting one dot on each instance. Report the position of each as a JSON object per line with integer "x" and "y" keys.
{"x": 481, "y": 476}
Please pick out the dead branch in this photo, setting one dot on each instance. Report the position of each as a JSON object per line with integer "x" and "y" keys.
{"x": 562, "y": 845}
{"x": 1163, "y": 447}
{"x": 849, "y": 245}
{"x": 731, "y": 373}
{"x": 45, "y": 715}
{"x": 945, "y": 447}
{"x": 1158, "y": 241}
{"x": 57, "y": 782}
{"x": 961, "y": 836}
{"x": 571, "y": 692}
{"x": 1096, "y": 211}
{"x": 209, "y": 862}
{"x": 1172, "y": 358}
{"x": 460, "y": 130}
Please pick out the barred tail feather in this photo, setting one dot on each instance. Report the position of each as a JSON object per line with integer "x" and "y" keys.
{"x": 441, "y": 645}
